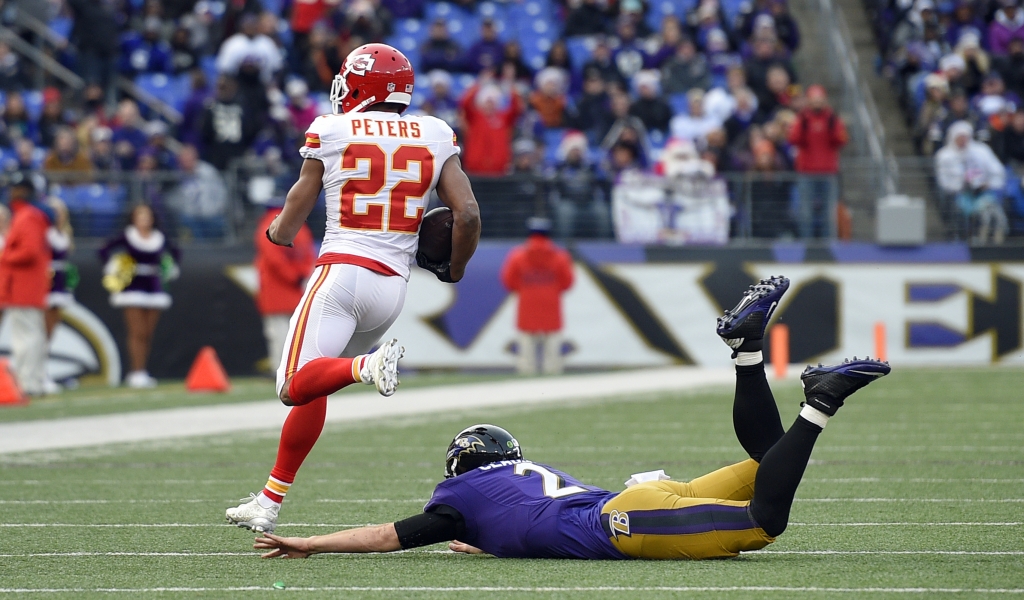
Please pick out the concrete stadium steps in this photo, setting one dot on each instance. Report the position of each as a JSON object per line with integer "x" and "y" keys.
{"x": 859, "y": 188}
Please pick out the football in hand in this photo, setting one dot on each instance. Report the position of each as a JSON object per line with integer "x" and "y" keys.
{"x": 436, "y": 234}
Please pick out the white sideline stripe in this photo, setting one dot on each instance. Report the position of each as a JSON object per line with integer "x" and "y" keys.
{"x": 344, "y": 525}
{"x": 423, "y": 500}
{"x": 800, "y": 552}
{"x": 911, "y": 524}
{"x": 148, "y": 425}
{"x": 905, "y": 480}
{"x": 909, "y": 552}
{"x": 172, "y": 525}
{"x": 737, "y": 588}
{"x": 107, "y": 482}
{"x": 912, "y": 500}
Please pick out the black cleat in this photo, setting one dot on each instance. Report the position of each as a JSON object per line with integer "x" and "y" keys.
{"x": 742, "y": 328}
{"x": 825, "y": 388}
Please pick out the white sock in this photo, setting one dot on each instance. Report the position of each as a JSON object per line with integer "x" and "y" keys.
{"x": 809, "y": 413}
{"x": 266, "y": 502}
{"x": 749, "y": 359}
{"x": 365, "y": 375}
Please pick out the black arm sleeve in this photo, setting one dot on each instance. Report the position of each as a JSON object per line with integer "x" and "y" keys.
{"x": 442, "y": 525}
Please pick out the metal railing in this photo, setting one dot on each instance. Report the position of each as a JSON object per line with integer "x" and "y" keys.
{"x": 866, "y": 132}
{"x": 224, "y": 207}
{"x": 47, "y": 39}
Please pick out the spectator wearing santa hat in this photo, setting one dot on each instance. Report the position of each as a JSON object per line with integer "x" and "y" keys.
{"x": 578, "y": 198}
{"x": 489, "y": 119}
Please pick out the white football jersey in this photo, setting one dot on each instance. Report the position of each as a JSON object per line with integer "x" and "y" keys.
{"x": 379, "y": 171}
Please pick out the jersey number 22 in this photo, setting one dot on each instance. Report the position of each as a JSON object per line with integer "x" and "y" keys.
{"x": 385, "y": 211}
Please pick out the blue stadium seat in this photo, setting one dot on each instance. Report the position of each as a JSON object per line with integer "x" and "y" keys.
{"x": 657, "y": 12}
{"x": 551, "y": 138}
{"x": 61, "y": 26}
{"x": 464, "y": 27}
{"x": 580, "y": 48}
{"x": 96, "y": 210}
{"x": 732, "y": 8}
{"x": 461, "y": 83}
{"x": 172, "y": 90}
{"x": 274, "y": 6}
{"x": 209, "y": 66}
{"x": 535, "y": 49}
{"x": 410, "y": 29}
{"x": 33, "y": 103}
{"x": 680, "y": 105}
{"x": 493, "y": 10}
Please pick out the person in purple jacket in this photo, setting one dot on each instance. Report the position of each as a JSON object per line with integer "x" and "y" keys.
{"x": 495, "y": 501}
{"x": 1008, "y": 24}
{"x": 138, "y": 263}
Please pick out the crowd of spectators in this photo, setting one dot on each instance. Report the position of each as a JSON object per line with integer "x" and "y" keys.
{"x": 958, "y": 69}
{"x": 254, "y": 73}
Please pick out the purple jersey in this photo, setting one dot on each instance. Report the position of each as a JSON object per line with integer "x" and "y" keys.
{"x": 527, "y": 510}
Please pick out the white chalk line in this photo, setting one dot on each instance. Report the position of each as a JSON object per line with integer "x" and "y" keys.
{"x": 348, "y": 525}
{"x": 191, "y": 482}
{"x": 423, "y": 500}
{"x": 797, "y": 552}
{"x": 537, "y": 589}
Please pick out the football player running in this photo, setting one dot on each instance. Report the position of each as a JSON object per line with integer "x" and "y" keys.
{"x": 377, "y": 168}
{"x": 497, "y": 502}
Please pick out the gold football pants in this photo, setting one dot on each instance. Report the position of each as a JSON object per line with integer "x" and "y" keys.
{"x": 708, "y": 517}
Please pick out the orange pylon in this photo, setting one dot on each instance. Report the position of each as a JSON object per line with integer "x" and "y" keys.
{"x": 207, "y": 374}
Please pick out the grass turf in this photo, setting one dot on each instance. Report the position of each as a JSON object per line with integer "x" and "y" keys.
{"x": 100, "y": 399}
{"x": 919, "y": 471}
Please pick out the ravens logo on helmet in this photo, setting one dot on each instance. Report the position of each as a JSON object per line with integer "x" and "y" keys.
{"x": 477, "y": 446}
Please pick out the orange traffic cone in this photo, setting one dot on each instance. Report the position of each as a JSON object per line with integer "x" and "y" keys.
{"x": 10, "y": 393}
{"x": 207, "y": 374}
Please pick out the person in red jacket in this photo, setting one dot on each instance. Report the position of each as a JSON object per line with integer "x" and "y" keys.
{"x": 540, "y": 272}
{"x": 488, "y": 128}
{"x": 283, "y": 272}
{"x": 818, "y": 134}
{"x": 24, "y": 284}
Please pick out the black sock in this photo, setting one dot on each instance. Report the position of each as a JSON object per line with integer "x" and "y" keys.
{"x": 755, "y": 417}
{"x": 779, "y": 475}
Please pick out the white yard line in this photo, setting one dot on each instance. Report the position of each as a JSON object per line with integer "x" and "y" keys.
{"x": 538, "y": 590}
{"x": 347, "y": 525}
{"x": 255, "y": 554}
{"x": 174, "y": 423}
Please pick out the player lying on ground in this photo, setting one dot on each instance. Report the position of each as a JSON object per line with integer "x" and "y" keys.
{"x": 494, "y": 501}
{"x": 377, "y": 168}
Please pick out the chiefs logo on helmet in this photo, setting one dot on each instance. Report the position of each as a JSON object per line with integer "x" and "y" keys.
{"x": 358, "y": 64}
{"x": 372, "y": 75}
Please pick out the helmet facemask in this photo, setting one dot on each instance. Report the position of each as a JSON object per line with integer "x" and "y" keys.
{"x": 339, "y": 91}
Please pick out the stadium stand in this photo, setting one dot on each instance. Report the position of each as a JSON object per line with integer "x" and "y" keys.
{"x": 957, "y": 67}
{"x": 249, "y": 51}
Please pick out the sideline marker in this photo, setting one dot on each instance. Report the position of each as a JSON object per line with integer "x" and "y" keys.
{"x": 880, "y": 341}
{"x": 10, "y": 392}
{"x": 207, "y": 374}
{"x": 779, "y": 335}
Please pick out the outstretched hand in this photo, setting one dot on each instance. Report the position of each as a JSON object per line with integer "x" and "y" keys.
{"x": 283, "y": 547}
{"x": 464, "y": 548}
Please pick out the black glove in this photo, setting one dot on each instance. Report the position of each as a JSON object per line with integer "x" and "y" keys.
{"x": 276, "y": 243}
{"x": 442, "y": 270}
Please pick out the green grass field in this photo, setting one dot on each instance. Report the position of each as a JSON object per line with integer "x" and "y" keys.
{"x": 916, "y": 489}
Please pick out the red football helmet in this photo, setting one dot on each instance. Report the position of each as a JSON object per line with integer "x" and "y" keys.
{"x": 373, "y": 73}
